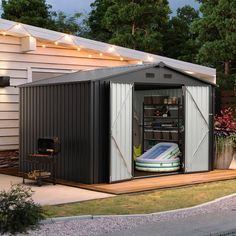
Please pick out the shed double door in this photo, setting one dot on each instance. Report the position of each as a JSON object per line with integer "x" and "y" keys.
{"x": 196, "y": 149}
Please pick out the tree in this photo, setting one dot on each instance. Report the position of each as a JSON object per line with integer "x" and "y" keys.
{"x": 179, "y": 42}
{"x": 33, "y": 12}
{"x": 39, "y": 13}
{"x": 97, "y": 30}
{"x": 216, "y": 31}
{"x": 134, "y": 24}
{"x": 67, "y": 24}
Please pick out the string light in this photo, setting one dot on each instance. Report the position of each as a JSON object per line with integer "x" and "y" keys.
{"x": 150, "y": 58}
{"x": 68, "y": 37}
{"x": 111, "y": 49}
{"x": 18, "y": 26}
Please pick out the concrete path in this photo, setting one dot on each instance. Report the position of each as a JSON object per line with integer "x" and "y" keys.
{"x": 49, "y": 194}
{"x": 220, "y": 223}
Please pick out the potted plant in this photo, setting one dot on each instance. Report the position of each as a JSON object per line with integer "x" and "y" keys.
{"x": 225, "y": 140}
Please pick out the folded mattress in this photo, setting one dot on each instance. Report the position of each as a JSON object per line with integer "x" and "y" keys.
{"x": 163, "y": 157}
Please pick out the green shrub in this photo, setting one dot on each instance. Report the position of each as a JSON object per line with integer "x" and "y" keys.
{"x": 18, "y": 212}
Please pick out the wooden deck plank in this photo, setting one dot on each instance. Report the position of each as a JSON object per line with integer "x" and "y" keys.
{"x": 162, "y": 182}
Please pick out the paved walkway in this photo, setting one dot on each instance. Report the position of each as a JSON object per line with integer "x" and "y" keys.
{"x": 49, "y": 194}
{"x": 210, "y": 224}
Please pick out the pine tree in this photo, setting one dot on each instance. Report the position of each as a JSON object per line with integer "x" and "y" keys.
{"x": 39, "y": 13}
{"x": 33, "y": 12}
{"x": 216, "y": 31}
{"x": 136, "y": 24}
{"x": 179, "y": 42}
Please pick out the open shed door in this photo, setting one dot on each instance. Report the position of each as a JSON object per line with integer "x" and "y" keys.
{"x": 196, "y": 128}
{"x": 121, "y": 131}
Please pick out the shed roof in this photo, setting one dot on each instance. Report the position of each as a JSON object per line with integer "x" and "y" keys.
{"x": 23, "y": 30}
{"x": 104, "y": 73}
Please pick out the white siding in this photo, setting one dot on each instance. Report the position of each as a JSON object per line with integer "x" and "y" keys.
{"x": 197, "y": 129}
{"x": 121, "y": 131}
{"x": 19, "y": 67}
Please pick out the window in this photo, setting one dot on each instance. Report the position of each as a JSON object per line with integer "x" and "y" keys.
{"x": 35, "y": 74}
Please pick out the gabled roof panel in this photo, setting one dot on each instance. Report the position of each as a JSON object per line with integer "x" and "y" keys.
{"x": 100, "y": 74}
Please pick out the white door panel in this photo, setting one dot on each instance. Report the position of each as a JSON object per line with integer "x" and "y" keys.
{"x": 196, "y": 128}
{"x": 121, "y": 131}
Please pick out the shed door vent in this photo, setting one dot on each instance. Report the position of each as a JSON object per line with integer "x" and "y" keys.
{"x": 150, "y": 75}
{"x": 167, "y": 76}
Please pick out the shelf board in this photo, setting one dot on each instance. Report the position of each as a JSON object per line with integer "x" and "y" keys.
{"x": 163, "y": 128}
{"x": 163, "y": 118}
{"x": 163, "y": 104}
{"x": 159, "y": 139}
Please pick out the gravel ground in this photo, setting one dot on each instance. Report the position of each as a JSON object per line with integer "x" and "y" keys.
{"x": 103, "y": 226}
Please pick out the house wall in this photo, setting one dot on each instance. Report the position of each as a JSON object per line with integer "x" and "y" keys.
{"x": 23, "y": 67}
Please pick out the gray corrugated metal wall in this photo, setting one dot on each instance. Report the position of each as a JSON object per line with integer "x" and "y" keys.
{"x": 64, "y": 111}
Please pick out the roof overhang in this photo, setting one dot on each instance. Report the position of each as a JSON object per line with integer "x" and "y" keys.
{"x": 22, "y": 30}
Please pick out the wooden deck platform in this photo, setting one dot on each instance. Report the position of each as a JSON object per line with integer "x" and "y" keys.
{"x": 147, "y": 184}
{"x": 163, "y": 182}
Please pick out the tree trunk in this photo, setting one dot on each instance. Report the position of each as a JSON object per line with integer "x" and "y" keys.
{"x": 226, "y": 67}
{"x": 133, "y": 28}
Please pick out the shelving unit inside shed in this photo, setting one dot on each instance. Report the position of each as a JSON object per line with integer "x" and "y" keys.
{"x": 162, "y": 121}
{"x": 159, "y": 117}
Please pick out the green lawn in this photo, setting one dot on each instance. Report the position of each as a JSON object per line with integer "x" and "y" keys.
{"x": 155, "y": 201}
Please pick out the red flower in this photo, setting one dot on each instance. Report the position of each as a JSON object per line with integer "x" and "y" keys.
{"x": 225, "y": 122}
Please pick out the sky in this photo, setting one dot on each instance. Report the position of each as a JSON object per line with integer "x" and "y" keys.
{"x": 71, "y": 6}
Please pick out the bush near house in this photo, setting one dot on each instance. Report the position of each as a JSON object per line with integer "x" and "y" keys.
{"x": 18, "y": 212}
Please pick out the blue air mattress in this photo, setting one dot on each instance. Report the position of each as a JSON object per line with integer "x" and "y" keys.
{"x": 162, "y": 157}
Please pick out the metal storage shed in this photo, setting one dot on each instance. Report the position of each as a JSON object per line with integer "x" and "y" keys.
{"x": 92, "y": 114}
